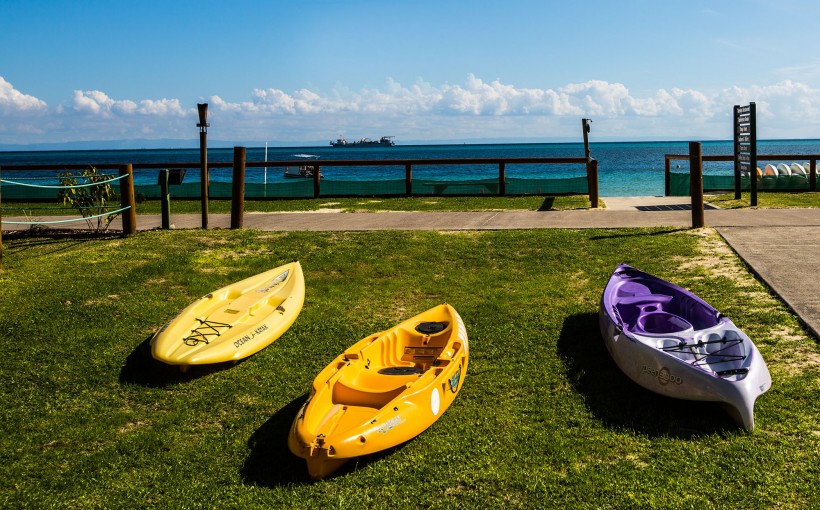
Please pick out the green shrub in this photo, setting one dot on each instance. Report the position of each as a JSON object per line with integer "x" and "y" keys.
{"x": 91, "y": 201}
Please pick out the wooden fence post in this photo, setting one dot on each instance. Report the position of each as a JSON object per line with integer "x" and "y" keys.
{"x": 592, "y": 182}
{"x": 238, "y": 188}
{"x": 696, "y": 183}
{"x": 502, "y": 179}
{"x": 813, "y": 175}
{"x": 408, "y": 179}
{"x": 165, "y": 199}
{"x": 667, "y": 176}
{"x": 129, "y": 216}
{"x": 317, "y": 175}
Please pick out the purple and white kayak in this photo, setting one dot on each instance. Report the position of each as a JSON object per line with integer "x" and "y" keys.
{"x": 671, "y": 342}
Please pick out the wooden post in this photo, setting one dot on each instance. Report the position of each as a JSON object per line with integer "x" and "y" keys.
{"x": 238, "y": 188}
{"x": 408, "y": 179}
{"x": 585, "y": 129}
{"x": 203, "y": 175}
{"x": 813, "y": 175}
{"x": 129, "y": 216}
{"x": 667, "y": 176}
{"x": 696, "y": 183}
{"x": 502, "y": 179}
{"x": 317, "y": 175}
{"x": 592, "y": 182}
{"x": 165, "y": 199}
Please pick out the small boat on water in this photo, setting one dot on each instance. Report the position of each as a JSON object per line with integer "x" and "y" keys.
{"x": 384, "y": 390}
{"x": 235, "y": 321}
{"x": 302, "y": 171}
{"x": 385, "y": 141}
{"x": 672, "y": 342}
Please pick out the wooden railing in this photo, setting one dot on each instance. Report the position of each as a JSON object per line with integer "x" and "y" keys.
{"x": 239, "y": 164}
{"x": 812, "y": 158}
{"x": 503, "y": 165}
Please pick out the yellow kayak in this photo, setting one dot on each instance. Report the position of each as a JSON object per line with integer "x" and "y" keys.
{"x": 382, "y": 391}
{"x": 235, "y": 321}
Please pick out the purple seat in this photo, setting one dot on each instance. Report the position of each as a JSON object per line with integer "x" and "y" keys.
{"x": 660, "y": 323}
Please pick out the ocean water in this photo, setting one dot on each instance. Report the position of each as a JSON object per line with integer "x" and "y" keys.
{"x": 625, "y": 168}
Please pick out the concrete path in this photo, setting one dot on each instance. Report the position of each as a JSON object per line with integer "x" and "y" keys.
{"x": 490, "y": 220}
{"x": 764, "y": 238}
{"x": 785, "y": 258}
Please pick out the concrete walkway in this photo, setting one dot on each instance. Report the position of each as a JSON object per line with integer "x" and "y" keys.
{"x": 492, "y": 220}
{"x": 785, "y": 258}
{"x": 778, "y": 244}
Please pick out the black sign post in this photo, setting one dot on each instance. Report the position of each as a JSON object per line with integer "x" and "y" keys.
{"x": 745, "y": 129}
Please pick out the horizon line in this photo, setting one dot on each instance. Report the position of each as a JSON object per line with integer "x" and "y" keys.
{"x": 157, "y": 144}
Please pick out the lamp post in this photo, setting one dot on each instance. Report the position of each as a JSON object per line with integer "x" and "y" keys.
{"x": 203, "y": 160}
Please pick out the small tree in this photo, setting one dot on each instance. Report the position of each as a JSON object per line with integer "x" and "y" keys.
{"x": 91, "y": 201}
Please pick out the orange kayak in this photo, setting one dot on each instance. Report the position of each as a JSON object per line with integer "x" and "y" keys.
{"x": 384, "y": 390}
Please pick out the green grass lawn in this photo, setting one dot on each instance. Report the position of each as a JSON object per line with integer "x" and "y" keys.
{"x": 768, "y": 200}
{"x": 438, "y": 203}
{"x": 544, "y": 419}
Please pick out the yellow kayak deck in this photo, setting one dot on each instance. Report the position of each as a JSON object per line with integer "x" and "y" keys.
{"x": 235, "y": 321}
{"x": 384, "y": 390}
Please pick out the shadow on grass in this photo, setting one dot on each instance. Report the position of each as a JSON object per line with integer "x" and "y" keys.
{"x": 58, "y": 240}
{"x": 141, "y": 368}
{"x": 621, "y": 403}
{"x": 37, "y": 235}
{"x": 271, "y": 462}
{"x": 547, "y": 204}
{"x": 617, "y": 234}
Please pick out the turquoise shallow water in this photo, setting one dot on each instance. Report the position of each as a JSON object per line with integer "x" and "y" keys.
{"x": 625, "y": 168}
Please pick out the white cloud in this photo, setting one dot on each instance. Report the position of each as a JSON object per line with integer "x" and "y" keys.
{"x": 13, "y": 101}
{"x": 97, "y": 103}
{"x": 475, "y": 108}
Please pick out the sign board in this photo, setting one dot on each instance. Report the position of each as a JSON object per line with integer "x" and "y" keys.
{"x": 745, "y": 129}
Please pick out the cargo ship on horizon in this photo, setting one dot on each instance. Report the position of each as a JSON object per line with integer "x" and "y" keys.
{"x": 385, "y": 141}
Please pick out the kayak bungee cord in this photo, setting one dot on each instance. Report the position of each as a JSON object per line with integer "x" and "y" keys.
{"x": 205, "y": 331}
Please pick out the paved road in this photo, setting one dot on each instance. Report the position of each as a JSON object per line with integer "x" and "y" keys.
{"x": 772, "y": 241}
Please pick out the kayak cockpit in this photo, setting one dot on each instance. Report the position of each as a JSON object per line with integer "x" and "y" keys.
{"x": 391, "y": 363}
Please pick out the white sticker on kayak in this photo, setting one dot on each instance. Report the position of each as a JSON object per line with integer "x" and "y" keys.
{"x": 435, "y": 401}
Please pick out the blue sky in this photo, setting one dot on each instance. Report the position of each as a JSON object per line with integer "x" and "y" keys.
{"x": 308, "y": 71}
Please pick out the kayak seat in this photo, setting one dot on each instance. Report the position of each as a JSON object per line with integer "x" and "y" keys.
{"x": 627, "y": 289}
{"x": 370, "y": 388}
{"x": 699, "y": 315}
{"x": 660, "y": 323}
{"x": 631, "y": 308}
